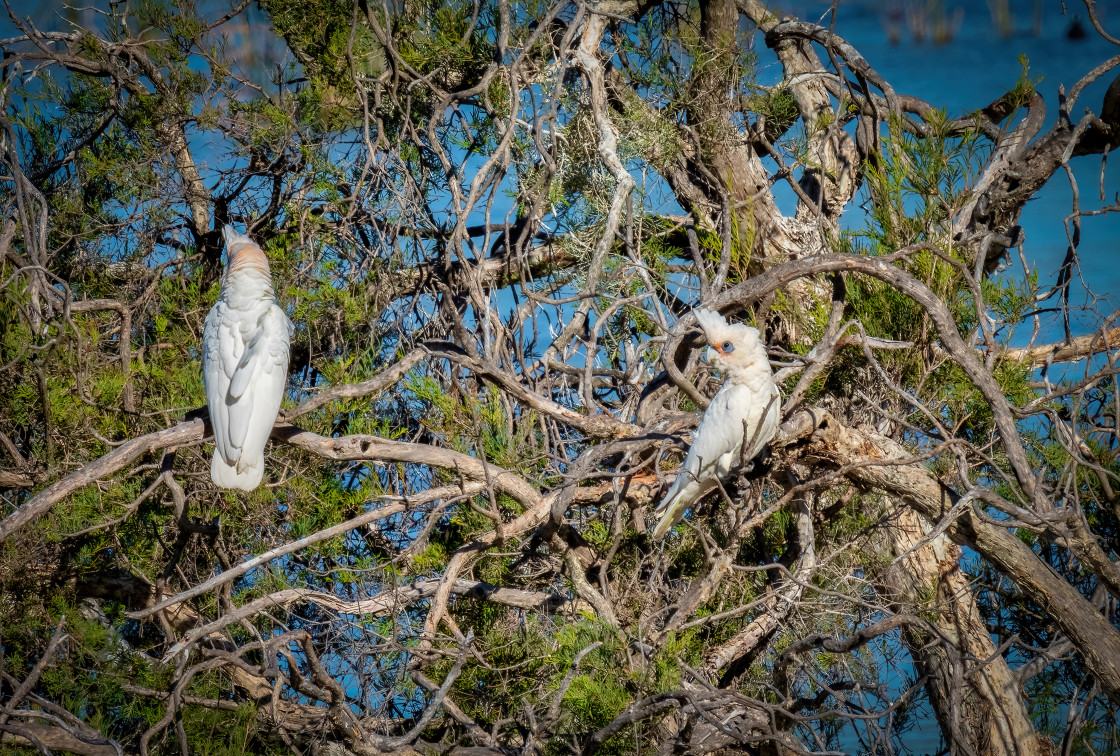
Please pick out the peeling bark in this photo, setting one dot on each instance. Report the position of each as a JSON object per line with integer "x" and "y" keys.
{"x": 873, "y": 460}
{"x": 980, "y": 706}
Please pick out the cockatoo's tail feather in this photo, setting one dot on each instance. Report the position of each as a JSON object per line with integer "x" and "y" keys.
{"x": 671, "y": 510}
{"x": 227, "y": 476}
{"x": 744, "y": 411}
{"x": 244, "y": 364}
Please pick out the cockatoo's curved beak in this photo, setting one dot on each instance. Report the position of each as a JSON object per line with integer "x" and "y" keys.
{"x": 710, "y": 355}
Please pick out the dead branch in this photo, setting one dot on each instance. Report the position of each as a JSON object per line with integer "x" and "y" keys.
{"x": 117, "y": 459}
{"x": 878, "y": 462}
{"x": 1076, "y": 349}
{"x": 48, "y": 738}
{"x": 393, "y": 600}
{"x": 288, "y": 548}
{"x": 372, "y": 387}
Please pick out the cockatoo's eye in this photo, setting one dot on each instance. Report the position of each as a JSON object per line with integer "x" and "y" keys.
{"x": 727, "y": 347}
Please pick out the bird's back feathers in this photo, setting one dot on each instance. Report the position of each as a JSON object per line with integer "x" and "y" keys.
{"x": 244, "y": 364}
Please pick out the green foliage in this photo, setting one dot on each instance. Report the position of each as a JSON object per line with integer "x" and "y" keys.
{"x": 1025, "y": 87}
{"x": 329, "y": 46}
{"x": 778, "y": 108}
{"x": 481, "y": 426}
{"x": 450, "y": 43}
{"x": 97, "y": 668}
{"x": 598, "y": 690}
{"x": 916, "y": 184}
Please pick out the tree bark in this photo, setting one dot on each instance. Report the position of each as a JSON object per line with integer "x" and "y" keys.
{"x": 980, "y": 704}
{"x": 31, "y": 734}
{"x": 873, "y": 460}
{"x": 727, "y": 166}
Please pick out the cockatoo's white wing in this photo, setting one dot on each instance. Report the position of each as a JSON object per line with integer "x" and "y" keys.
{"x": 714, "y": 452}
{"x": 764, "y": 417}
{"x": 245, "y": 381}
{"x": 256, "y": 390}
{"x": 220, "y": 347}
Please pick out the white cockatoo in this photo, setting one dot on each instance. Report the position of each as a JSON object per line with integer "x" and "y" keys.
{"x": 744, "y": 410}
{"x": 244, "y": 364}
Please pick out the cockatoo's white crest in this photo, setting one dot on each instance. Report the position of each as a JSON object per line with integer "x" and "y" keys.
{"x": 244, "y": 364}
{"x": 744, "y": 410}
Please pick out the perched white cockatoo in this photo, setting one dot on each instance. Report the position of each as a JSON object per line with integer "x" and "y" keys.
{"x": 744, "y": 410}
{"x": 244, "y": 364}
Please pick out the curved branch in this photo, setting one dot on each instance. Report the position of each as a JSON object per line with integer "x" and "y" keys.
{"x": 593, "y": 426}
{"x": 375, "y": 385}
{"x": 862, "y": 636}
{"x": 383, "y": 603}
{"x": 374, "y": 448}
{"x": 856, "y": 62}
{"x": 177, "y": 435}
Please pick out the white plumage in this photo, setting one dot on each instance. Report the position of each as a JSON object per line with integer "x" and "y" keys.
{"x": 744, "y": 410}
{"x": 244, "y": 364}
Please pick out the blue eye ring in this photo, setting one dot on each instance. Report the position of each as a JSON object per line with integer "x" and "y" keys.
{"x": 727, "y": 347}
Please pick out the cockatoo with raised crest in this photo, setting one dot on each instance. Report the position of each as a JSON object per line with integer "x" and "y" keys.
{"x": 244, "y": 364}
{"x": 745, "y": 410}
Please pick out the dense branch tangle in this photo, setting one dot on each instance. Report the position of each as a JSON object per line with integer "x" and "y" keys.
{"x": 491, "y": 228}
